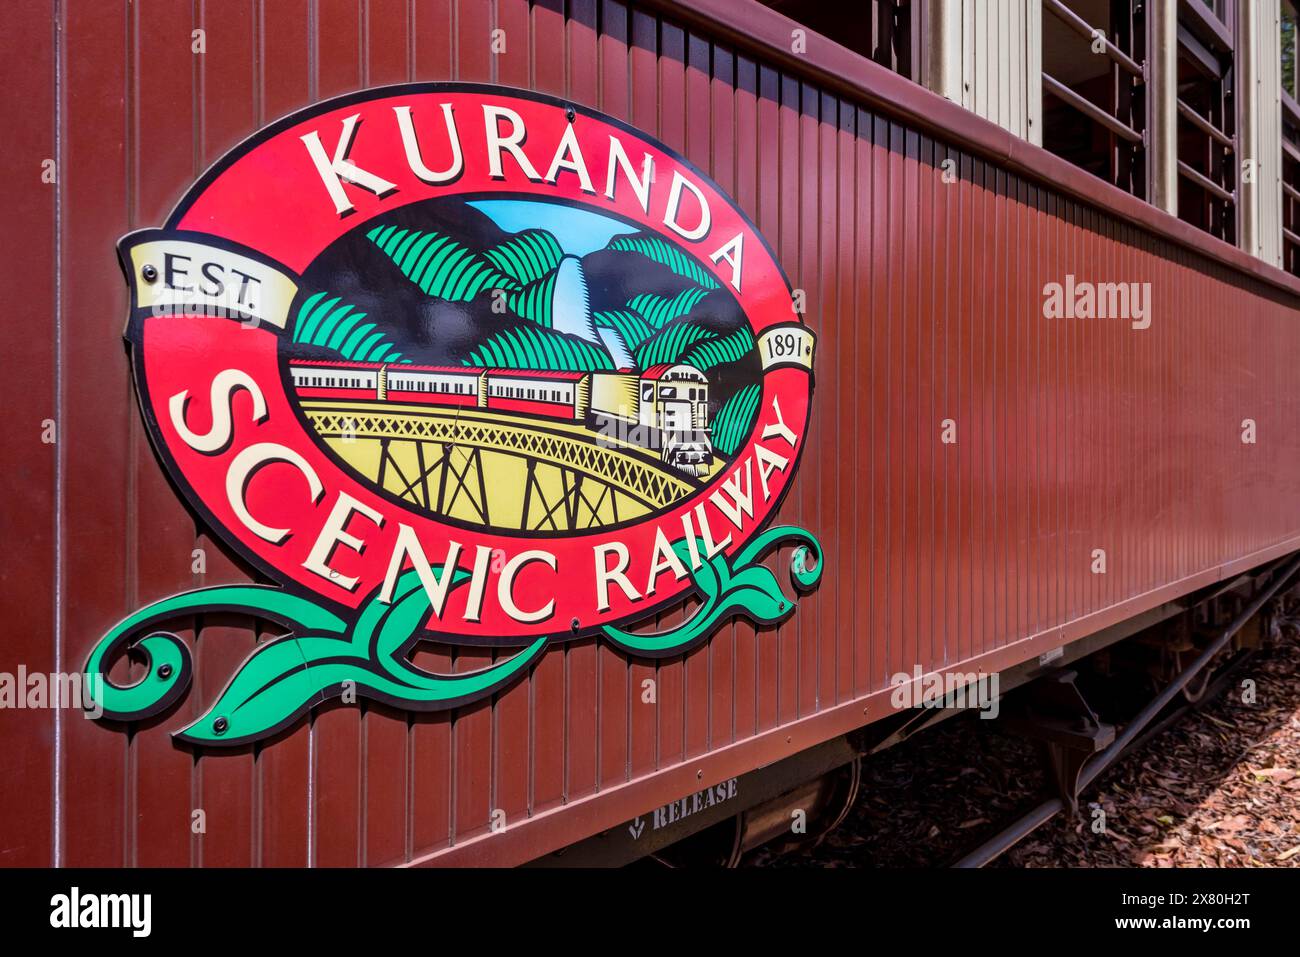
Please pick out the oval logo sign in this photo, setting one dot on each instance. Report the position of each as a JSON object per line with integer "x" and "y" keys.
{"x": 468, "y": 364}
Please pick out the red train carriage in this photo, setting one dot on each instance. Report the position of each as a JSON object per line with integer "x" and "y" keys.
{"x": 552, "y": 394}
{"x": 324, "y": 379}
{"x": 433, "y": 385}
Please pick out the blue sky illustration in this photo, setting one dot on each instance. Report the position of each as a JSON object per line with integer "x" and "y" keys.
{"x": 578, "y": 231}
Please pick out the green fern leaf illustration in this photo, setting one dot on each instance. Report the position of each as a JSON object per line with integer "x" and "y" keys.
{"x": 735, "y": 419}
{"x": 528, "y": 256}
{"x": 659, "y": 311}
{"x": 330, "y": 323}
{"x": 666, "y": 254}
{"x": 669, "y": 344}
{"x": 439, "y": 265}
{"x": 629, "y": 325}
{"x": 716, "y": 352}
{"x": 532, "y": 347}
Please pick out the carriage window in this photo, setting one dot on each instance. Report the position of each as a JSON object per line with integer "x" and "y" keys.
{"x": 1207, "y": 142}
{"x": 668, "y": 392}
{"x": 887, "y": 32}
{"x": 1094, "y": 103}
{"x": 647, "y": 393}
{"x": 1290, "y": 144}
{"x": 1288, "y": 48}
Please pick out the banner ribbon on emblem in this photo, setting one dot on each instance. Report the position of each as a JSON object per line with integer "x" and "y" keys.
{"x": 194, "y": 277}
{"x": 787, "y": 344}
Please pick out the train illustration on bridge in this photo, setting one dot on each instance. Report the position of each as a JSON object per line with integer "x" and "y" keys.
{"x": 663, "y": 410}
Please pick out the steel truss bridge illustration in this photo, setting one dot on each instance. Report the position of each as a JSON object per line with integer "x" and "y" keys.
{"x": 499, "y": 471}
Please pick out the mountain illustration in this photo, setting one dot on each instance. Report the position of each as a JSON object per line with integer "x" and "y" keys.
{"x": 524, "y": 284}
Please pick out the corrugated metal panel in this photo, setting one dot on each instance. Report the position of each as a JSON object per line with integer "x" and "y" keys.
{"x": 1000, "y": 46}
{"x": 1262, "y": 128}
{"x": 29, "y": 747}
{"x": 927, "y": 297}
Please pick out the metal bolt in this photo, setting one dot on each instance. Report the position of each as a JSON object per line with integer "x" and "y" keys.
{"x": 165, "y": 672}
{"x": 570, "y": 113}
{"x": 220, "y": 725}
{"x": 573, "y": 626}
{"x": 150, "y": 272}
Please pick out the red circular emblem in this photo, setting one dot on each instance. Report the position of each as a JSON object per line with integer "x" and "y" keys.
{"x": 450, "y": 327}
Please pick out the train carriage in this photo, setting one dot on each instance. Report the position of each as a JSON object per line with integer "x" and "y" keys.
{"x": 551, "y": 393}
{"x": 441, "y": 385}
{"x": 1013, "y": 382}
{"x": 315, "y": 379}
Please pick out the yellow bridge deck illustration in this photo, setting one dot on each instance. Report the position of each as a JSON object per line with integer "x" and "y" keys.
{"x": 498, "y": 470}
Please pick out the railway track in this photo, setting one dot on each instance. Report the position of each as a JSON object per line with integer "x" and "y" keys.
{"x": 956, "y": 794}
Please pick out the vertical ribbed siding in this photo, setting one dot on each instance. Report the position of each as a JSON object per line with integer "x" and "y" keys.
{"x": 927, "y": 299}
{"x": 30, "y": 741}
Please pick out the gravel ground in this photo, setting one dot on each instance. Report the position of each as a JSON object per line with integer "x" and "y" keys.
{"x": 1219, "y": 788}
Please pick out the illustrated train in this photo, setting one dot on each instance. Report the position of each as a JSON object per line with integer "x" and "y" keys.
{"x": 663, "y": 409}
